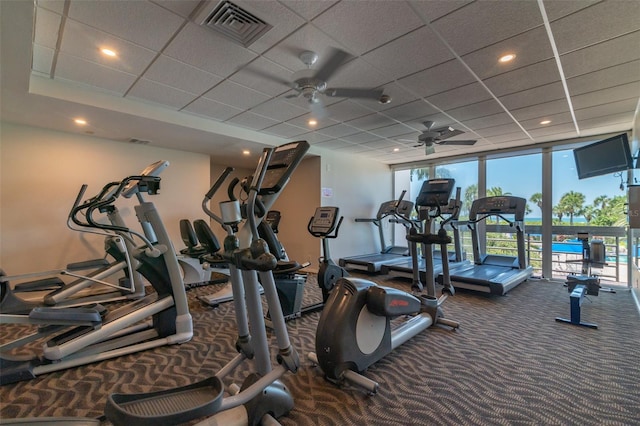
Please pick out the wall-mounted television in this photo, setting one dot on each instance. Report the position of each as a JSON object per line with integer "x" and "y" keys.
{"x": 606, "y": 156}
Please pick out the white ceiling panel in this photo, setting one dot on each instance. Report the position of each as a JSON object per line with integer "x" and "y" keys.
{"x": 208, "y": 50}
{"x": 139, "y": 22}
{"x": 160, "y": 94}
{"x": 482, "y": 23}
{"x": 413, "y": 52}
{"x": 436, "y": 60}
{"x": 612, "y": 17}
{"x": 188, "y": 78}
{"x": 602, "y": 55}
{"x": 92, "y": 74}
{"x": 378, "y": 23}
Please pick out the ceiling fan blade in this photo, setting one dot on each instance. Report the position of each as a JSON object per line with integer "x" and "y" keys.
{"x": 336, "y": 58}
{"x": 354, "y": 93}
{"x": 429, "y": 149}
{"x": 447, "y": 132}
{"x": 460, "y": 142}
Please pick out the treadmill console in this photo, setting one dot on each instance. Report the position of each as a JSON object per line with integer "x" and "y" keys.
{"x": 283, "y": 162}
{"x": 435, "y": 193}
{"x": 403, "y": 208}
{"x": 505, "y": 204}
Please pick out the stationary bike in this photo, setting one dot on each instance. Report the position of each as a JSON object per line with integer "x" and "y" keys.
{"x": 355, "y": 330}
{"x": 324, "y": 224}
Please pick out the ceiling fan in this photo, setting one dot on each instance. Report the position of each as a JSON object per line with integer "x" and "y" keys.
{"x": 431, "y": 137}
{"x": 312, "y": 84}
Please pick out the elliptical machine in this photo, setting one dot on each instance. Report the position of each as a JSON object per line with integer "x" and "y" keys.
{"x": 364, "y": 311}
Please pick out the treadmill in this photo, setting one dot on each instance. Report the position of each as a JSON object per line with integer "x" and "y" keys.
{"x": 399, "y": 211}
{"x": 494, "y": 273}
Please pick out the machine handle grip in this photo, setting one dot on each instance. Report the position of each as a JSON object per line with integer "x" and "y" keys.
{"x": 218, "y": 183}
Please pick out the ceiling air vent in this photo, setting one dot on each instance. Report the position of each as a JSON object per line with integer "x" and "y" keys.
{"x": 235, "y": 23}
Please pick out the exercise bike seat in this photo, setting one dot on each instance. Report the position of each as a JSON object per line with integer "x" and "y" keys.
{"x": 190, "y": 240}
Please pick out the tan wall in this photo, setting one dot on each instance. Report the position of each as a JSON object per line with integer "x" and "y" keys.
{"x": 41, "y": 173}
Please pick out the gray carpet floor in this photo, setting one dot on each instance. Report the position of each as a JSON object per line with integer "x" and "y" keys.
{"x": 509, "y": 363}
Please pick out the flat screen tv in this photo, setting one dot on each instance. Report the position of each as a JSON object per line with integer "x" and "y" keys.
{"x": 607, "y": 156}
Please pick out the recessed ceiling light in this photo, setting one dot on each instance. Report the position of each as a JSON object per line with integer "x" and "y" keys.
{"x": 313, "y": 122}
{"x": 246, "y": 152}
{"x": 80, "y": 121}
{"x": 507, "y": 58}
{"x": 545, "y": 122}
{"x": 396, "y": 149}
{"x": 108, "y": 52}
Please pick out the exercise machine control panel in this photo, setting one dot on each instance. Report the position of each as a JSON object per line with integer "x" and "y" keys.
{"x": 435, "y": 193}
{"x": 323, "y": 221}
{"x": 283, "y": 162}
{"x": 499, "y": 205}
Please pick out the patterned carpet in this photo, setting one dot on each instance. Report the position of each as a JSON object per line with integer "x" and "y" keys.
{"x": 509, "y": 363}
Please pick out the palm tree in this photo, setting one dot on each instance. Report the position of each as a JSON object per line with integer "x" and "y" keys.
{"x": 601, "y": 201}
{"x": 470, "y": 194}
{"x": 420, "y": 174}
{"x": 572, "y": 204}
{"x": 496, "y": 191}
{"x": 589, "y": 212}
{"x": 559, "y": 212}
{"x": 537, "y": 200}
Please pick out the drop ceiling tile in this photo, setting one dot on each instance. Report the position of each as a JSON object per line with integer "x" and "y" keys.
{"x": 488, "y": 121}
{"x": 279, "y": 110}
{"x": 92, "y": 74}
{"x": 183, "y": 8}
{"x": 42, "y": 59}
{"x": 465, "y": 95}
{"x": 281, "y": 18}
{"x": 252, "y": 121}
{"x": 392, "y": 131}
{"x": 212, "y": 109}
{"x": 265, "y": 76}
{"x": 613, "y": 19}
{"x": 313, "y": 137}
{"x": 377, "y": 23}
{"x": 480, "y": 109}
{"x": 535, "y": 96}
{"x": 362, "y": 137}
{"x": 308, "y": 9}
{"x": 413, "y": 52}
{"x": 84, "y": 42}
{"x": 353, "y": 149}
{"x": 139, "y": 22}
{"x": 529, "y": 47}
{"x": 438, "y": 79}
{"x": 511, "y": 138}
{"x": 399, "y": 94}
{"x": 410, "y": 111}
{"x": 160, "y": 94}
{"x": 556, "y": 119}
{"x": 204, "y": 48}
{"x": 346, "y": 110}
{"x": 553, "y": 130}
{"x": 601, "y": 55}
{"x": 179, "y": 75}
{"x": 56, "y": 6}
{"x": 236, "y": 95}
{"x": 429, "y": 11}
{"x": 333, "y": 144}
{"x": 285, "y": 130}
{"x": 302, "y": 121}
{"x": 357, "y": 74}
{"x": 338, "y": 130}
{"x": 602, "y": 79}
{"x": 541, "y": 110}
{"x": 47, "y": 26}
{"x": 612, "y": 94}
{"x": 612, "y": 108}
{"x": 371, "y": 121}
{"x": 625, "y": 119}
{"x": 558, "y": 9}
{"x": 498, "y": 130}
{"x": 524, "y": 78}
{"x": 482, "y": 23}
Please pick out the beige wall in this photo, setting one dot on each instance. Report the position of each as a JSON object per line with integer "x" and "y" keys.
{"x": 41, "y": 173}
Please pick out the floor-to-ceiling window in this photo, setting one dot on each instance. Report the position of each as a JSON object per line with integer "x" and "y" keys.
{"x": 595, "y": 206}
